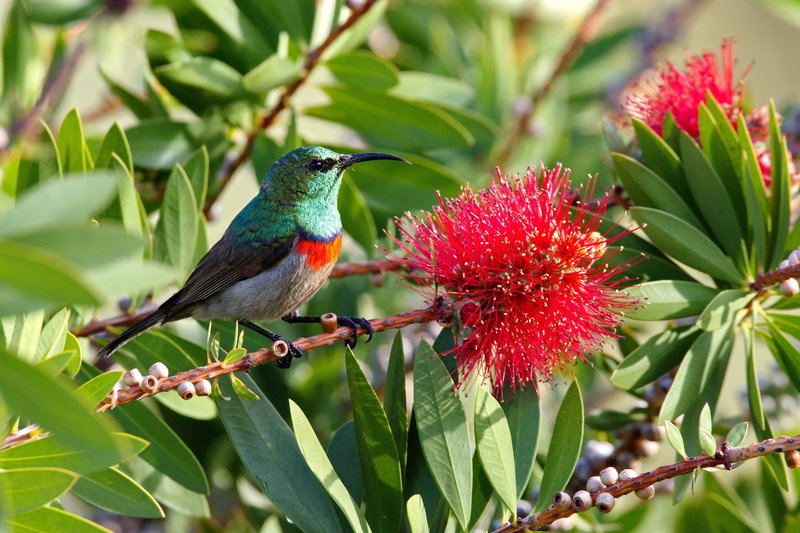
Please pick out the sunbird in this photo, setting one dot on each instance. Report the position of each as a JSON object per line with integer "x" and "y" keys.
{"x": 275, "y": 255}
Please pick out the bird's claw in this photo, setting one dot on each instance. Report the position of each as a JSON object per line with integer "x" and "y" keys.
{"x": 354, "y": 323}
{"x": 294, "y": 353}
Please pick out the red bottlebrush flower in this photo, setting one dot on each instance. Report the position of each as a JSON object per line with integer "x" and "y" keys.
{"x": 681, "y": 92}
{"x": 531, "y": 282}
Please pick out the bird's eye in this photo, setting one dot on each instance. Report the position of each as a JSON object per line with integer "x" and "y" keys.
{"x": 315, "y": 165}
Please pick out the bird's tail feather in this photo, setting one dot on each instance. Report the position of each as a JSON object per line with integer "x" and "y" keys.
{"x": 137, "y": 329}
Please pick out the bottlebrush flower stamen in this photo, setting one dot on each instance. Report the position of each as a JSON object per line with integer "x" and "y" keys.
{"x": 529, "y": 276}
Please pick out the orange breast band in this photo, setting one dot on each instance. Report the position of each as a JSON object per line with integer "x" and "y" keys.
{"x": 320, "y": 254}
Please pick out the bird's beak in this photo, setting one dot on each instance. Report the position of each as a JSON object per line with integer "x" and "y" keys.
{"x": 345, "y": 160}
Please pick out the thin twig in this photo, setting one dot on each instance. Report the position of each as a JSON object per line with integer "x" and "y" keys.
{"x": 767, "y": 279}
{"x": 586, "y": 32}
{"x": 725, "y": 457}
{"x": 312, "y": 59}
{"x": 435, "y": 312}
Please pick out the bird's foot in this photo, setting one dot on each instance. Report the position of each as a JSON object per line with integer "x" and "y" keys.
{"x": 354, "y": 323}
{"x": 294, "y": 353}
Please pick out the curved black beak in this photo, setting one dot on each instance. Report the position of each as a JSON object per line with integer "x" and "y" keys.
{"x": 345, "y": 160}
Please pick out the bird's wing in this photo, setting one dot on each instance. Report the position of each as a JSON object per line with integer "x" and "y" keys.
{"x": 224, "y": 265}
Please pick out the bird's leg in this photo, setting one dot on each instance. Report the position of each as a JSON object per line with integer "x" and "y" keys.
{"x": 294, "y": 351}
{"x": 352, "y": 322}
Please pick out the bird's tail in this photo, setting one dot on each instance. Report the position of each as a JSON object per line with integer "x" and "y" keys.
{"x": 137, "y": 329}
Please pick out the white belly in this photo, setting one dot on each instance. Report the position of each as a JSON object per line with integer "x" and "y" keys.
{"x": 267, "y": 296}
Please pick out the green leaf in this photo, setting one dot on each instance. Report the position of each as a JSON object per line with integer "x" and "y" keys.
{"x": 234, "y": 355}
{"x": 394, "y": 398}
{"x": 415, "y": 127}
{"x": 167, "y": 452}
{"x": 723, "y": 309}
{"x": 275, "y": 71}
{"x": 53, "y": 336}
{"x": 785, "y": 352}
{"x": 58, "y": 12}
{"x": 380, "y": 466}
{"x": 168, "y": 492}
{"x": 667, "y": 299}
{"x": 116, "y": 492}
{"x": 56, "y": 364}
{"x": 493, "y": 442}
{"x": 204, "y": 79}
{"x": 20, "y": 51}
{"x": 178, "y": 221}
{"x": 196, "y": 168}
{"x": 49, "y": 519}
{"x": 737, "y": 434}
{"x": 32, "y": 393}
{"x": 417, "y": 517}
{"x": 707, "y": 442}
{"x": 524, "y": 415}
{"x": 443, "y": 433}
{"x": 160, "y": 143}
{"x": 99, "y": 386}
{"x": 675, "y": 438}
{"x": 434, "y": 88}
{"x": 565, "y": 446}
{"x": 115, "y": 142}
{"x": 759, "y": 419}
{"x": 341, "y": 450}
{"x": 712, "y": 197}
{"x": 363, "y": 70}
{"x": 234, "y": 26}
{"x": 242, "y": 390}
{"x": 654, "y": 358}
{"x": 59, "y": 202}
{"x": 49, "y": 452}
{"x": 356, "y": 217}
{"x": 686, "y": 244}
{"x": 780, "y": 194}
{"x": 269, "y": 450}
{"x": 321, "y": 466}
{"x": 27, "y": 488}
{"x": 648, "y": 189}
{"x": 71, "y": 144}
{"x": 699, "y": 373}
{"x": 661, "y": 158}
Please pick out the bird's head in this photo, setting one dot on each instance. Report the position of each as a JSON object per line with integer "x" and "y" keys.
{"x": 313, "y": 172}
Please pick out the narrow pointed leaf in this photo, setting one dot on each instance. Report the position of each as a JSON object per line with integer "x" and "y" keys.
{"x": 383, "y": 490}
{"x": 493, "y": 442}
{"x": 686, "y": 244}
{"x": 321, "y": 466}
{"x": 417, "y": 517}
{"x": 675, "y": 438}
{"x": 341, "y": 450}
{"x": 565, "y": 446}
{"x": 712, "y": 197}
{"x": 443, "y": 433}
{"x": 667, "y": 299}
{"x": 99, "y": 386}
{"x": 699, "y": 373}
{"x": 71, "y": 143}
{"x": 115, "y": 142}
{"x": 116, "y": 492}
{"x": 178, "y": 222}
{"x": 785, "y": 352}
{"x": 655, "y": 357}
{"x": 779, "y": 189}
{"x": 524, "y": 415}
{"x": 394, "y": 399}
{"x": 737, "y": 433}
{"x": 724, "y": 308}
{"x": 22, "y": 489}
{"x": 661, "y": 158}
{"x": 49, "y": 519}
{"x": 32, "y": 393}
{"x": 269, "y": 450}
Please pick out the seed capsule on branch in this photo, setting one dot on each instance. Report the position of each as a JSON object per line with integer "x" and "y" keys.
{"x": 562, "y": 501}
{"x": 581, "y": 500}
{"x": 605, "y": 502}
{"x": 159, "y": 370}
{"x": 186, "y": 390}
{"x": 132, "y": 378}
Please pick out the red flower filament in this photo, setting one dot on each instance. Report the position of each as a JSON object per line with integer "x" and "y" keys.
{"x": 530, "y": 281}
{"x": 682, "y": 92}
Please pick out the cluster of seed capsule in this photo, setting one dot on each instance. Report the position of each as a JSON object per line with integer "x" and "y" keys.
{"x": 790, "y": 287}
{"x": 157, "y": 371}
{"x": 603, "y": 501}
